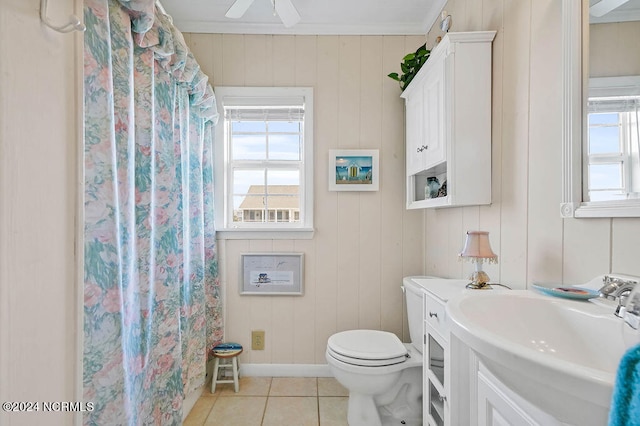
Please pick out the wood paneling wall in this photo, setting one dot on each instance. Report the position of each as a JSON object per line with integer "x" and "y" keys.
{"x": 613, "y": 49}
{"x": 364, "y": 243}
{"x": 40, "y": 118}
{"x": 534, "y": 243}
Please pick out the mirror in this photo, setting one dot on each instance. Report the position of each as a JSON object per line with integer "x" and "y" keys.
{"x": 601, "y": 134}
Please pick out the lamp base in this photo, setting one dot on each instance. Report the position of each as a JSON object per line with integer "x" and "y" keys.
{"x": 479, "y": 281}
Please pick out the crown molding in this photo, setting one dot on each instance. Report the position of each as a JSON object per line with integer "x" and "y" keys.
{"x": 301, "y": 29}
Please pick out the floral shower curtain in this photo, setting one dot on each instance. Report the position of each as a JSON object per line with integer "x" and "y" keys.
{"x": 152, "y": 306}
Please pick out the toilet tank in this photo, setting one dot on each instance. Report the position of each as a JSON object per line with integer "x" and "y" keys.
{"x": 413, "y": 297}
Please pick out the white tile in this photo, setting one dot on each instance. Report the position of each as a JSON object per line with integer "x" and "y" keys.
{"x": 294, "y": 386}
{"x": 237, "y": 410}
{"x": 299, "y": 411}
{"x": 333, "y": 411}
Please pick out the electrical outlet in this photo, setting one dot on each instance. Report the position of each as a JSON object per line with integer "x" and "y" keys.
{"x": 257, "y": 340}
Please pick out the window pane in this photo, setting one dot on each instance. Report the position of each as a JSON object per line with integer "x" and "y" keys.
{"x": 250, "y": 208}
{"x": 283, "y": 195}
{"x": 283, "y": 177}
{"x": 284, "y": 126}
{"x": 605, "y": 176}
{"x": 249, "y": 147}
{"x": 248, "y": 126}
{"x": 603, "y": 140}
{"x": 604, "y": 133}
{"x": 284, "y": 147}
{"x": 284, "y": 208}
{"x": 245, "y": 181}
{"x": 600, "y": 119}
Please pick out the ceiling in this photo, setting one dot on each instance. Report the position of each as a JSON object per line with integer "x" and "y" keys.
{"x": 367, "y": 17}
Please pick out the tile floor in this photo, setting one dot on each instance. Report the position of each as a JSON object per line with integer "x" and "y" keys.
{"x": 277, "y": 401}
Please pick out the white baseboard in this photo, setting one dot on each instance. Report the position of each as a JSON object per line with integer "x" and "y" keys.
{"x": 285, "y": 370}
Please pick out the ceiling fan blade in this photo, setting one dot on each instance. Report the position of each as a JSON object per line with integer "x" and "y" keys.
{"x": 238, "y": 9}
{"x": 605, "y": 6}
{"x": 287, "y": 12}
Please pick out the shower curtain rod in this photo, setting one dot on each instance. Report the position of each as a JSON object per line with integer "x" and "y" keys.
{"x": 74, "y": 23}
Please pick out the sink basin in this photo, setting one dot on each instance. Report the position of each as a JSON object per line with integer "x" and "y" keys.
{"x": 559, "y": 354}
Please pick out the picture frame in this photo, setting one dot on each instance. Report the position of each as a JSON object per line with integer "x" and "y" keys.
{"x": 278, "y": 274}
{"x": 354, "y": 170}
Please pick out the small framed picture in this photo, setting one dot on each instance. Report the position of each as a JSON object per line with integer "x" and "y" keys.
{"x": 354, "y": 170}
{"x": 271, "y": 274}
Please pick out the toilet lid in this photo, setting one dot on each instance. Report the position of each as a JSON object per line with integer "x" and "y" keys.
{"x": 373, "y": 345}
{"x": 367, "y": 362}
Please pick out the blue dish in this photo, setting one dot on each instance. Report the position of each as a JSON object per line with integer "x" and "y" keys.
{"x": 568, "y": 292}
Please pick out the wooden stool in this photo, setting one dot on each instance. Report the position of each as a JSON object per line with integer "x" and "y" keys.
{"x": 226, "y": 351}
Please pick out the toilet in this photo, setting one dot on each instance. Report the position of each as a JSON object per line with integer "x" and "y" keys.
{"x": 382, "y": 374}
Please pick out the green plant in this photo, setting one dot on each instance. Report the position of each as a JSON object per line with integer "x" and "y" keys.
{"x": 410, "y": 66}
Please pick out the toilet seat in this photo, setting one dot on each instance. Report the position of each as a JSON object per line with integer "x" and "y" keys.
{"x": 370, "y": 348}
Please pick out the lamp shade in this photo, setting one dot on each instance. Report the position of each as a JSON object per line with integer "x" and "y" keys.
{"x": 477, "y": 246}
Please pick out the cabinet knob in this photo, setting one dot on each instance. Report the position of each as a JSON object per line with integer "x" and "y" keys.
{"x": 433, "y": 314}
{"x": 442, "y": 398}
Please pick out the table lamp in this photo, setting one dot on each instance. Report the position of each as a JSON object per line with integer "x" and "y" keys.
{"x": 477, "y": 249}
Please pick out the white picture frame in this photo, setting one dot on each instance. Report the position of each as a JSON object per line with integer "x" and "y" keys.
{"x": 354, "y": 170}
{"x": 272, "y": 274}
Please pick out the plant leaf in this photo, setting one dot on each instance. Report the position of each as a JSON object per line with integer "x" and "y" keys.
{"x": 410, "y": 65}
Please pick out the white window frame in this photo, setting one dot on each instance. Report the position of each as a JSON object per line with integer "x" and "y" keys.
{"x": 622, "y": 157}
{"x": 603, "y": 90}
{"x": 223, "y": 196}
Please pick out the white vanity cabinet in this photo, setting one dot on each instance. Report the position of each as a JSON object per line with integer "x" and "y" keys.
{"x": 437, "y": 409}
{"x": 435, "y": 366}
{"x": 448, "y": 124}
{"x": 498, "y": 405}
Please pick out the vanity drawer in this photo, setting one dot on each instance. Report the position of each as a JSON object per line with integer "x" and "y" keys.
{"x": 435, "y": 315}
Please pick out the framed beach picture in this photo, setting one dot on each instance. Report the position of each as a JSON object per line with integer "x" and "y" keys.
{"x": 354, "y": 170}
{"x": 271, "y": 274}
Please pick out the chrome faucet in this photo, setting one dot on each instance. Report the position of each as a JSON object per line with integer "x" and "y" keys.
{"x": 617, "y": 288}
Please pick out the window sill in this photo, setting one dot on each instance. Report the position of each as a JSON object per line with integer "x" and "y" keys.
{"x": 265, "y": 234}
{"x": 624, "y": 208}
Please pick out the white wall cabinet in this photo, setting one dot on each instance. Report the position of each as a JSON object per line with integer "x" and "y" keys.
{"x": 448, "y": 124}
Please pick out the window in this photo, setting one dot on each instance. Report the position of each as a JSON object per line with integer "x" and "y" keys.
{"x": 264, "y": 166}
{"x": 612, "y": 146}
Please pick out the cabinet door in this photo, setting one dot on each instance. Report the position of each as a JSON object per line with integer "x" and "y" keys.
{"x": 414, "y": 130}
{"x": 495, "y": 408}
{"x": 434, "y": 117}
{"x": 435, "y": 365}
{"x": 435, "y": 362}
